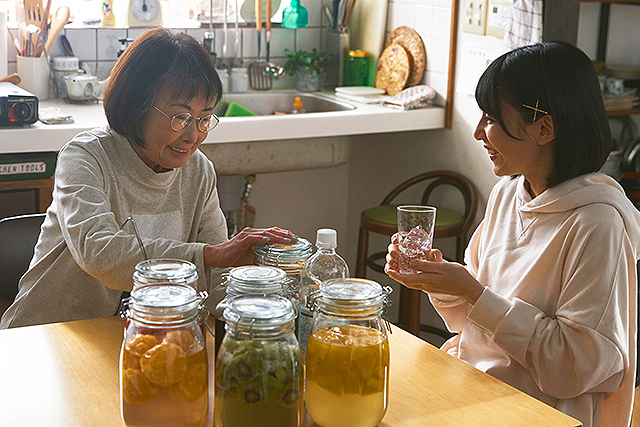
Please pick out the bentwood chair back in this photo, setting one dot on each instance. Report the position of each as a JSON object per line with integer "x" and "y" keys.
{"x": 382, "y": 219}
{"x": 18, "y": 237}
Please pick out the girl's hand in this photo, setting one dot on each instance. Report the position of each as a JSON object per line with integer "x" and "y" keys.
{"x": 239, "y": 250}
{"x": 435, "y": 275}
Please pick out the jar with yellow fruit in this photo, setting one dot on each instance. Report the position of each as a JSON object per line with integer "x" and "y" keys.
{"x": 347, "y": 369}
{"x": 164, "y": 370}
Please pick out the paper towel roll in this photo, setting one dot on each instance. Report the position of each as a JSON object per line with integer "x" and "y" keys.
{"x": 3, "y": 43}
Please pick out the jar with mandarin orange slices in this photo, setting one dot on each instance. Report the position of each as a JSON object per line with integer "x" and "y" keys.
{"x": 347, "y": 369}
{"x": 164, "y": 370}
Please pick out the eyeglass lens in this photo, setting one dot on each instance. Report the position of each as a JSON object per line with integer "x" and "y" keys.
{"x": 183, "y": 120}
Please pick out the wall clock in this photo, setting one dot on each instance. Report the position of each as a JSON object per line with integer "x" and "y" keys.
{"x": 144, "y": 13}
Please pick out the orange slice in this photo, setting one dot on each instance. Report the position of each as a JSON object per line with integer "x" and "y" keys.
{"x": 164, "y": 364}
{"x": 136, "y": 388}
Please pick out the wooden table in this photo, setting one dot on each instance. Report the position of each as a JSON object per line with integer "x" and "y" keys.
{"x": 66, "y": 375}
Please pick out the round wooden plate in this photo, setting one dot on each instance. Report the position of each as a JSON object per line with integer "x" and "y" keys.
{"x": 393, "y": 71}
{"x": 411, "y": 41}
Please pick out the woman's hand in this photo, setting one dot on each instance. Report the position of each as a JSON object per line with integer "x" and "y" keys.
{"x": 434, "y": 276}
{"x": 239, "y": 250}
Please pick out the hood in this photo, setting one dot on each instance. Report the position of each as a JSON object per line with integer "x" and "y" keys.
{"x": 581, "y": 191}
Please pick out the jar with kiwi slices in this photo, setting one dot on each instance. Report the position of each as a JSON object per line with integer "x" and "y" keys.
{"x": 259, "y": 378}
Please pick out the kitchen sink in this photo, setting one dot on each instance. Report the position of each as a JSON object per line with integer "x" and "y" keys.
{"x": 269, "y": 103}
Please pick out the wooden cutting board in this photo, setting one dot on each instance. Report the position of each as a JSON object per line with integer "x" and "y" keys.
{"x": 368, "y": 28}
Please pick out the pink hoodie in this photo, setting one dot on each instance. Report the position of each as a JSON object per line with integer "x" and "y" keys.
{"x": 557, "y": 319}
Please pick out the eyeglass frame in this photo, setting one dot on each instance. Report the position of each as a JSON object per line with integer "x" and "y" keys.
{"x": 197, "y": 119}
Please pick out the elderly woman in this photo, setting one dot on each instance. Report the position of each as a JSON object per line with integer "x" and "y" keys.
{"x": 146, "y": 165}
{"x": 547, "y": 299}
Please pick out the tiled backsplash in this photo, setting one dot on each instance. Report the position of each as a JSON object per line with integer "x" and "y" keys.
{"x": 98, "y": 47}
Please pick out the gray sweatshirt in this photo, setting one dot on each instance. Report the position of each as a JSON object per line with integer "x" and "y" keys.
{"x": 84, "y": 260}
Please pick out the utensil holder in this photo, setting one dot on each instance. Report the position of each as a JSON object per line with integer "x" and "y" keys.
{"x": 34, "y": 72}
{"x": 337, "y": 44}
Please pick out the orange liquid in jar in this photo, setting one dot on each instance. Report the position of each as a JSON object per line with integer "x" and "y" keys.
{"x": 164, "y": 380}
{"x": 347, "y": 376}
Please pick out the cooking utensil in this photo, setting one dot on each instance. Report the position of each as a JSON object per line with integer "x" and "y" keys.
{"x": 32, "y": 12}
{"x": 295, "y": 16}
{"x": 272, "y": 69}
{"x": 259, "y": 79}
{"x": 329, "y": 16}
{"x": 34, "y": 29}
{"x": 58, "y": 21}
{"x": 66, "y": 46}
{"x": 32, "y": 15}
{"x": 15, "y": 42}
{"x": 44, "y": 23}
{"x": 12, "y": 78}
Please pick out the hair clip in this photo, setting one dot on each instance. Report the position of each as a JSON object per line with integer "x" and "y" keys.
{"x": 535, "y": 109}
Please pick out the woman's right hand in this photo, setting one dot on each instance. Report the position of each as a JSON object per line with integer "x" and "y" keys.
{"x": 239, "y": 250}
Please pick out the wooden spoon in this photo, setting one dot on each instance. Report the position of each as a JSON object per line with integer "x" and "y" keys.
{"x": 12, "y": 78}
{"x": 58, "y": 21}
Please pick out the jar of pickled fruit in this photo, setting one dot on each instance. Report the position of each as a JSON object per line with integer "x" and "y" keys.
{"x": 288, "y": 257}
{"x": 165, "y": 271}
{"x": 259, "y": 374}
{"x": 248, "y": 280}
{"x": 163, "y": 360}
{"x": 347, "y": 370}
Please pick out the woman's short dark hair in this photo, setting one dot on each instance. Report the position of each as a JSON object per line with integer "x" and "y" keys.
{"x": 561, "y": 80}
{"x": 160, "y": 58}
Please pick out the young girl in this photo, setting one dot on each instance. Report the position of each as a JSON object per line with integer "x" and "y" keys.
{"x": 547, "y": 299}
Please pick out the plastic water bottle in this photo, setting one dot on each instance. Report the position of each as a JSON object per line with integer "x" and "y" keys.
{"x": 323, "y": 265}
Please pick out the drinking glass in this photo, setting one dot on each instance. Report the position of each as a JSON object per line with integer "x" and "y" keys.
{"x": 415, "y": 234}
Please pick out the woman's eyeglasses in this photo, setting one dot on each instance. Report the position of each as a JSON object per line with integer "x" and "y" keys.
{"x": 182, "y": 121}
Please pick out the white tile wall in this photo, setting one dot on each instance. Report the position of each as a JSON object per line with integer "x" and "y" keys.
{"x": 432, "y": 20}
{"x": 98, "y": 47}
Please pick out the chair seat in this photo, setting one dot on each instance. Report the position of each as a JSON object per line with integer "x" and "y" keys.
{"x": 387, "y": 214}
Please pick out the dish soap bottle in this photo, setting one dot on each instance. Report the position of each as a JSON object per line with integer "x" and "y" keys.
{"x": 325, "y": 264}
{"x": 298, "y": 107}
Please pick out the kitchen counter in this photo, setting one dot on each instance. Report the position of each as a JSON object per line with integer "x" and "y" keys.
{"x": 365, "y": 119}
{"x": 242, "y": 145}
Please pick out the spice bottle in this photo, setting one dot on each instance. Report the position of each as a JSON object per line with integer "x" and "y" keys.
{"x": 259, "y": 375}
{"x": 347, "y": 359}
{"x": 163, "y": 359}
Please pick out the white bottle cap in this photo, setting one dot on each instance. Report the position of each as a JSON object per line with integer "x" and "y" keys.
{"x": 327, "y": 238}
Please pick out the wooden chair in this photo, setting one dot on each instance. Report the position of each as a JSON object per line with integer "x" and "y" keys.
{"x": 449, "y": 223}
{"x": 19, "y": 235}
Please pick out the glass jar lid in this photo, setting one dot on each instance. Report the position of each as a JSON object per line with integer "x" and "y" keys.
{"x": 278, "y": 253}
{"x": 259, "y": 315}
{"x": 351, "y": 297}
{"x": 164, "y": 303}
{"x": 165, "y": 270}
{"x": 255, "y": 279}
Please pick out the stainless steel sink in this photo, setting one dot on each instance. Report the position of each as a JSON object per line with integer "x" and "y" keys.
{"x": 268, "y": 103}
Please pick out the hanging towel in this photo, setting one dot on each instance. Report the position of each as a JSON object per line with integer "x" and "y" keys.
{"x": 524, "y": 24}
